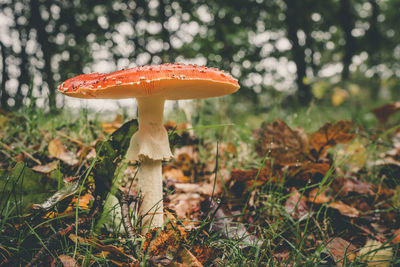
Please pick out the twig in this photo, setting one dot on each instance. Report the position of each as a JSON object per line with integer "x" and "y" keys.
{"x": 31, "y": 157}
{"x": 124, "y": 198}
{"x": 27, "y": 154}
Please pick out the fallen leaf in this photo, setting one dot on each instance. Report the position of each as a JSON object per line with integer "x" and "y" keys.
{"x": 319, "y": 196}
{"x": 164, "y": 244}
{"x": 49, "y": 167}
{"x": 188, "y": 259}
{"x": 212, "y": 185}
{"x": 341, "y": 249}
{"x": 384, "y": 112}
{"x": 280, "y": 142}
{"x": 83, "y": 203}
{"x": 296, "y": 205}
{"x": 110, "y": 127}
{"x": 339, "y": 96}
{"x": 185, "y": 204}
{"x": 57, "y": 150}
{"x": 307, "y": 170}
{"x": 174, "y": 174}
{"x": 223, "y": 222}
{"x": 115, "y": 252}
{"x": 255, "y": 177}
{"x": 374, "y": 253}
{"x": 202, "y": 188}
{"x": 204, "y": 253}
{"x": 396, "y": 237}
{"x": 63, "y": 193}
{"x": 344, "y": 186}
{"x": 67, "y": 261}
{"x": 345, "y": 209}
{"x": 353, "y": 156}
{"x": 330, "y": 135}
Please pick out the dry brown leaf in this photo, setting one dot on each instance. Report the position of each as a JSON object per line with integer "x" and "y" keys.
{"x": 174, "y": 174}
{"x": 384, "y": 112}
{"x": 344, "y": 186}
{"x": 296, "y": 205}
{"x": 67, "y": 261}
{"x": 396, "y": 237}
{"x": 307, "y": 170}
{"x": 49, "y": 167}
{"x": 202, "y": 188}
{"x": 283, "y": 144}
{"x": 57, "y": 150}
{"x": 116, "y": 252}
{"x": 211, "y": 185}
{"x": 204, "y": 253}
{"x": 84, "y": 202}
{"x": 345, "y": 209}
{"x": 255, "y": 177}
{"x": 330, "y": 135}
{"x": 185, "y": 204}
{"x": 341, "y": 249}
{"x": 391, "y": 157}
{"x": 188, "y": 259}
{"x": 110, "y": 127}
{"x": 318, "y": 196}
{"x": 159, "y": 244}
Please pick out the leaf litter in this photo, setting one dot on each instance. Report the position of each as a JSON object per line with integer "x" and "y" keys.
{"x": 353, "y": 218}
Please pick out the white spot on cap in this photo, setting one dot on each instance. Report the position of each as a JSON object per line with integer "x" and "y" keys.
{"x": 182, "y": 76}
{"x": 118, "y": 82}
{"x": 142, "y": 78}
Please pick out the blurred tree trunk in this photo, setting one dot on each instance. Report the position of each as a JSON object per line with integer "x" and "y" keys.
{"x": 374, "y": 46}
{"x": 166, "y": 56}
{"x": 346, "y": 22}
{"x": 4, "y": 77}
{"x": 24, "y": 76}
{"x": 293, "y": 12}
{"x": 37, "y": 23}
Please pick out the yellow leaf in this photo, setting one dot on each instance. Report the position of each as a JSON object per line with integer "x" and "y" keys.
{"x": 375, "y": 254}
{"x": 339, "y": 96}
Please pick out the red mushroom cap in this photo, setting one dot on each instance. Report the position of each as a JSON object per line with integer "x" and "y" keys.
{"x": 171, "y": 81}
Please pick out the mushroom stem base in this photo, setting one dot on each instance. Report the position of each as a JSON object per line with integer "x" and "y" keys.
{"x": 150, "y": 184}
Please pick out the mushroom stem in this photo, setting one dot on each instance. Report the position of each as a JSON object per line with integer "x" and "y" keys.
{"x": 150, "y": 145}
{"x": 150, "y": 184}
{"x": 151, "y": 140}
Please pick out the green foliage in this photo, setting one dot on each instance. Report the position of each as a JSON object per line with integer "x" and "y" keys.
{"x": 22, "y": 187}
{"x": 110, "y": 153}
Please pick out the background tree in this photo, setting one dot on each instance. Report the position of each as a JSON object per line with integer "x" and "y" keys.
{"x": 276, "y": 47}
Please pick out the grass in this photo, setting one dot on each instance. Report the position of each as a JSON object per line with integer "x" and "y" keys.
{"x": 260, "y": 209}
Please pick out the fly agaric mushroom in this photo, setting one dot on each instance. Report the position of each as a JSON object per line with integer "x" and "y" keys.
{"x": 151, "y": 86}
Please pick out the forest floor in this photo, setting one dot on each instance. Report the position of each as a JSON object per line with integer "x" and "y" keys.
{"x": 316, "y": 187}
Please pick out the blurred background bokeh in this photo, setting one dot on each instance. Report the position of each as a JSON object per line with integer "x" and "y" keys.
{"x": 291, "y": 51}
